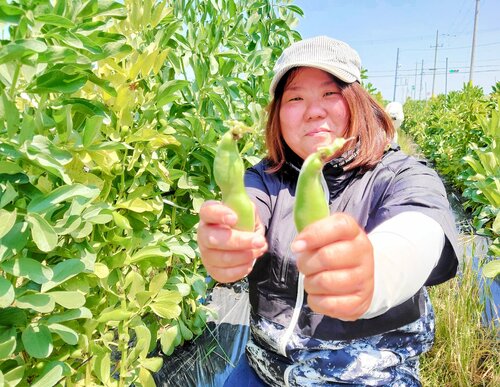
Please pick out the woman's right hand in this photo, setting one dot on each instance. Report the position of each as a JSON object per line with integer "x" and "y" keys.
{"x": 227, "y": 254}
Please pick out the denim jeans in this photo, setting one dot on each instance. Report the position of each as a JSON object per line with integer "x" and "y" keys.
{"x": 244, "y": 375}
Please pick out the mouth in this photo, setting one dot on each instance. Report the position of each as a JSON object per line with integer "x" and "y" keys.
{"x": 317, "y": 131}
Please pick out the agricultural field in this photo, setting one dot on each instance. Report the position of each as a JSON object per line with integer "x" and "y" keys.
{"x": 110, "y": 114}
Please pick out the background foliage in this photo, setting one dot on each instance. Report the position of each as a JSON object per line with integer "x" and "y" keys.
{"x": 460, "y": 134}
{"x": 109, "y": 117}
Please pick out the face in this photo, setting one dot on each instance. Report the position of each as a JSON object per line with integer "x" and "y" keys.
{"x": 313, "y": 112}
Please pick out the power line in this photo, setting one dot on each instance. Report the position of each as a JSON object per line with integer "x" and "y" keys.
{"x": 429, "y": 73}
{"x": 451, "y": 48}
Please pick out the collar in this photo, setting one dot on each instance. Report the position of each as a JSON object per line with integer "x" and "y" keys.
{"x": 335, "y": 165}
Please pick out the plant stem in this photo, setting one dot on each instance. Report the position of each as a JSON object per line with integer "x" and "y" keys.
{"x": 14, "y": 80}
{"x": 123, "y": 338}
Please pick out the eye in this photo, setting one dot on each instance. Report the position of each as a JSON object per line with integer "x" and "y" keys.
{"x": 295, "y": 99}
{"x": 329, "y": 93}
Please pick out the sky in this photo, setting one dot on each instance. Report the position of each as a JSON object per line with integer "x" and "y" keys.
{"x": 378, "y": 28}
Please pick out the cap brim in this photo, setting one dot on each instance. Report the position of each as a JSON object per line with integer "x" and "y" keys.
{"x": 337, "y": 72}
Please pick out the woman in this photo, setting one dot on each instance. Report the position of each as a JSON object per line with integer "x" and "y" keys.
{"x": 362, "y": 315}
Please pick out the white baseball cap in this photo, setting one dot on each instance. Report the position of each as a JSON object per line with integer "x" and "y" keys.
{"x": 322, "y": 52}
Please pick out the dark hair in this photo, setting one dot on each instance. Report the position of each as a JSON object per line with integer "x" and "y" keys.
{"x": 368, "y": 123}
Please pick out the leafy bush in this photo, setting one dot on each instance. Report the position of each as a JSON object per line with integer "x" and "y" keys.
{"x": 109, "y": 117}
{"x": 459, "y": 134}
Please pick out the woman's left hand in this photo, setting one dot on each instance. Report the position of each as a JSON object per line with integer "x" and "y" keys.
{"x": 336, "y": 258}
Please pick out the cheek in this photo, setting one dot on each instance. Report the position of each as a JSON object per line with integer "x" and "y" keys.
{"x": 344, "y": 115}
{"x": 287, "y": 118}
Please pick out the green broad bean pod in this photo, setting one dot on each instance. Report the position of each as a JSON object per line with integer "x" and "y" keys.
{"x": 311, "y": 203}
{"x": 229, "y": 173}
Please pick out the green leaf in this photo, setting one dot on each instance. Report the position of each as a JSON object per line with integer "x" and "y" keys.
{"x": 7, "y": 294}
{"x": 10, "y": 13}
{"x": 37, "y": 341}
{"x": 492, "y": 269}
{"x": 68, "y": 299}
{"x": 55, "y": 20}
{"x": 42, "y": 232}
{"x": 183, "y": 288}
{"x": 166, "y": 304}
{"x": 102, "y": 367}
{"x": 101, "y": 270}
{"x": 153, "y": 364}
{"x": 14, "y": 241}
{"x": 121, "y": 221}
{"x": 42, "y": 303}
{"x": 29, "y": 268}
{"x": 12, "y": 317}
{"x": 143, "y": 341}
{"x": 68, "y": 335}
{"x": 181, "y": 249}
{"x": 7, "y": 343}
{"x": 63, "y": 271}
{"x": 148, "y": 252}
{"x": 19, "y": 51}
{"x": 136, "y": 205}
{"x": 9, "y": 111}
{"x": 66, "y": 192}
{"x": 186, "y": 333}
{"x": 158, "y": 282}
{"x": 10, "y": 168}
{"x": 8, "y": 221}
{"x": 166, "y": 310}
{"x": 143, "y": 297}
{"x": 496, "y": 224}
{"x": 169, "y": 339}
{"x": 50, "y": 377}
{"x": 92, "y": 128}
{"x": 15, "y": 376}
{"x": 55, "y": 54}
{"x": 115, "y": 315}
{"x": 168, "y": 91}
{"x": 146, "y": 378}
{"x": 57, "y": 81}
{"x": 8, "y": 195}
{"x": 102, "y": 83}
{"x": 70, "y": 315}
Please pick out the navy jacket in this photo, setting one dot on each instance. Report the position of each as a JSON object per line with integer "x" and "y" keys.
{"x": 398, "y": 183}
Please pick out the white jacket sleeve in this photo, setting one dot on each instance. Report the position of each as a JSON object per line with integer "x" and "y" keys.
{"x": 406, "y": 248}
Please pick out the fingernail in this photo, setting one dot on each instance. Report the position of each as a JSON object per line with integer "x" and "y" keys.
{"x": 258, "y": 242}
{"x": 230, "y": 219}
{"x": 298, "y": 246}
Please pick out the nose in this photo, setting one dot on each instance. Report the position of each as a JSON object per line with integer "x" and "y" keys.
{"x": 315, "y": 109}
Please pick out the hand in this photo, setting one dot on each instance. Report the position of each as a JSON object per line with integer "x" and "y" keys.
{"x": 336, "y": 258}
{"x": 227, "y": 254}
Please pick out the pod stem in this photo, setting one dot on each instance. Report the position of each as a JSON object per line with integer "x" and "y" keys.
{"x": 325, "y": 152}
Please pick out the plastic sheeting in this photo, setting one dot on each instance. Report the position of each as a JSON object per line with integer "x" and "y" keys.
{"x": 208, "y": 360}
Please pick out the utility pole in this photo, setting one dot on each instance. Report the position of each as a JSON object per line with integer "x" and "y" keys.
{"x": 396, "y": 75}
{"x": 415, "y": 82}
{"x": 446, "y": 79}
{"x": 435, "y": 61}
{"x": 473, "y": 52}
{"x": 421, "y": 76}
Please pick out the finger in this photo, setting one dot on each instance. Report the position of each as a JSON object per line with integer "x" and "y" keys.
{"x": 224, "y": 238}
{"x": 229, "y": 274}
{"x": 347, "y": 308}
{"x": 222, "y": 259}
{"x": 336, "y": 227}
{"x": 214, "y": 212}
{"x": 336, "y": 282}
{"x": 335, "y": 256}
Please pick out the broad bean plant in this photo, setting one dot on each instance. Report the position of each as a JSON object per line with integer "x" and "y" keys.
{"x": 110, "y": 112}
{"x": 460, "y": 135}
